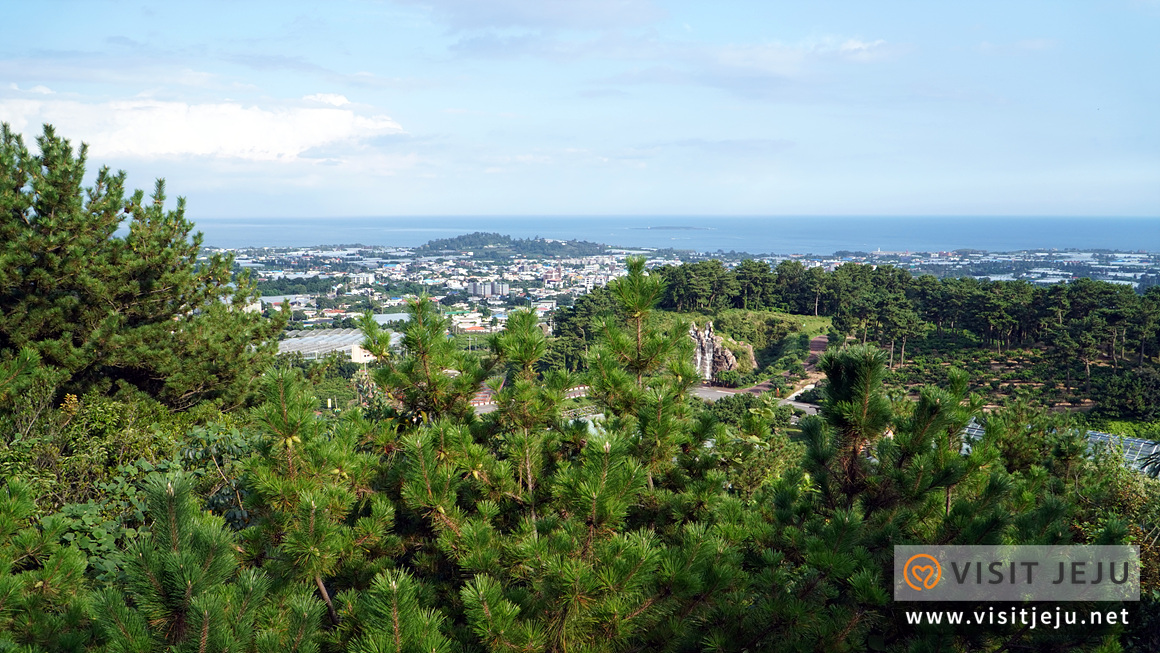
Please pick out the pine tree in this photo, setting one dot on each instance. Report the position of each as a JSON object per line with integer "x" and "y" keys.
{"x": 140, "y": 308}
{"x": 42, "y": 583}
{"x": 418, "y": 381}
{"x": 184, "y": 590}
{"x": 533, "y": 527}
{"x": 17, "y": 372}
{"x": 823, "y": 546}
{"x": 856, "y": 409}
{"x": 376, "y": 340}
{"x": 641, "y": 374}
{"x": 528, "y": 403}
{"x": 396, "y": 622}
{"x": 310, "y": 492}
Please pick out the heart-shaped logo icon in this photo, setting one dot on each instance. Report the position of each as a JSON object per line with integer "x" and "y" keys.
{"x": 923, "y": 574}
{"x": 922, "y": 571}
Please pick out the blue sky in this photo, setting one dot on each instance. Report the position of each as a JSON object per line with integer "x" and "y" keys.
{"x": 604, "y": 107}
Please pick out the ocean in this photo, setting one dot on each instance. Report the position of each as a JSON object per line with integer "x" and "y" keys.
{"x": 754, "y": 235}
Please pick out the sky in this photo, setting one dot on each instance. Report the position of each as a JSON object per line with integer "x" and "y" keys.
{"x": 603, "y": 107}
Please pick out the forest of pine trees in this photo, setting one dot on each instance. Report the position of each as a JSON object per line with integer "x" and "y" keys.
{"x": 1095, "y": 340}
{"x": 887, "y": 305}
{"x": 168, "y": 485}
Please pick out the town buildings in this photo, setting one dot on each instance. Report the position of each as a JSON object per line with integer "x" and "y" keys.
{"x": 477, "y": 292}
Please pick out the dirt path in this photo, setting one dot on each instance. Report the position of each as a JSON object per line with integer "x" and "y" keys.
{"x": 817, "y": 348}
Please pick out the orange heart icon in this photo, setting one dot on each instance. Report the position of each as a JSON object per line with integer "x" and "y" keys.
{"x": 927, "y": 573}
{"x": 924, "y": 574}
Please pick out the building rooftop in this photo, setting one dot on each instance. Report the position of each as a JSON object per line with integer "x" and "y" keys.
{"x": 314, "y": 342}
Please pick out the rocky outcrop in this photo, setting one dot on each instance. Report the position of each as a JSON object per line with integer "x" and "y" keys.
{"x": 723, "y": 358}
{"x": 710, "y": 355}
{"x": 704, "y": 347}
{"x": 747, "y": 355}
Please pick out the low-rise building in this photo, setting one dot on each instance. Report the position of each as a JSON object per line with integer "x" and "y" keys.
{"x": 313, "y": 344}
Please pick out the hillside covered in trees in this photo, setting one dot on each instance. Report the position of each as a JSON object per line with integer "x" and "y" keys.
{"x": 169, "y": 485}
{"x": 1072, "y": 345}
{"x": 497, "y": 246}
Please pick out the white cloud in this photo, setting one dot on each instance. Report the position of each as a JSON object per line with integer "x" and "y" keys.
{"x": 862, "y": 50}
{"x": 790, "y": 59}
{"x": 772, "y": 58}
{"x": 332, "y": 99}
{"x": 39, "y": 89}
{"x": 145, "y": 128}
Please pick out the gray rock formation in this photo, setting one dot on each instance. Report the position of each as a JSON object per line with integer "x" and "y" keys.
{"x": 704, "y": 346}
{"x": 723, "y": 358}
{"x": 710, "y": 355}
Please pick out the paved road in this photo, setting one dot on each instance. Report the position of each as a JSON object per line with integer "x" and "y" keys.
{"x": 810, "y": 409}
{"x": 713, "y": 394}
{"x": 818, "y": 346}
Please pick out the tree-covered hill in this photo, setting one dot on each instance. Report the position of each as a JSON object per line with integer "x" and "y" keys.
{"x": 498, "y": 246}
{"x": 1077, "y": 344}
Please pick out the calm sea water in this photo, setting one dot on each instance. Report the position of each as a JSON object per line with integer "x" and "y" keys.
{"x": 755, "y": 235}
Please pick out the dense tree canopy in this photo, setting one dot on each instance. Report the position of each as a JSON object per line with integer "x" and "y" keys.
{"x": 663, "y": 529}
{"x": 1081, "y": 326}
{"x": 102, "y": 304}
{"x": 410, "y": 522}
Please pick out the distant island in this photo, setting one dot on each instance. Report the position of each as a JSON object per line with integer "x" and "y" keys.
{"x": 495, "y": 245}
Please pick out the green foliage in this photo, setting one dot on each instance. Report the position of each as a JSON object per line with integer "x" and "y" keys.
{"x": 1132, "y": 429}
{"x": 334, "y": 393}
{"x": 188, "y": 593}
{"x": 376, "y": 340}
{"x": 396, "y": 621}
{"x": 140, "y": 308}
{"x": 701, "y": 286}
{"x": 814, "y": 395}
{"x": 660, "y": 524}
{"x": 17, "y": 373}
{"x": 638, "y": 350}
{"x": 577, "y": 329}
{"x": 912, "y": 484}
{"x": 494, "y": 245}
{"x": 94, "y": 449}
{"x": 419, "y": 381}
{"x": 1133, "y": 395}
{"x": 42, "y": 584}
{"x": 215, "y": 456}
{"x": 759, "y": 452}
{"x": 309, "y": 492}
{"x": 299, "y": 285}
{"x": 758, "y": 328}
{"x": 1102, "y": 333}
{"x": 728, "y": 378}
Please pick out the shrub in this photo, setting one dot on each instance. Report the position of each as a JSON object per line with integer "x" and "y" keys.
{"x": 728, "y": 378}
